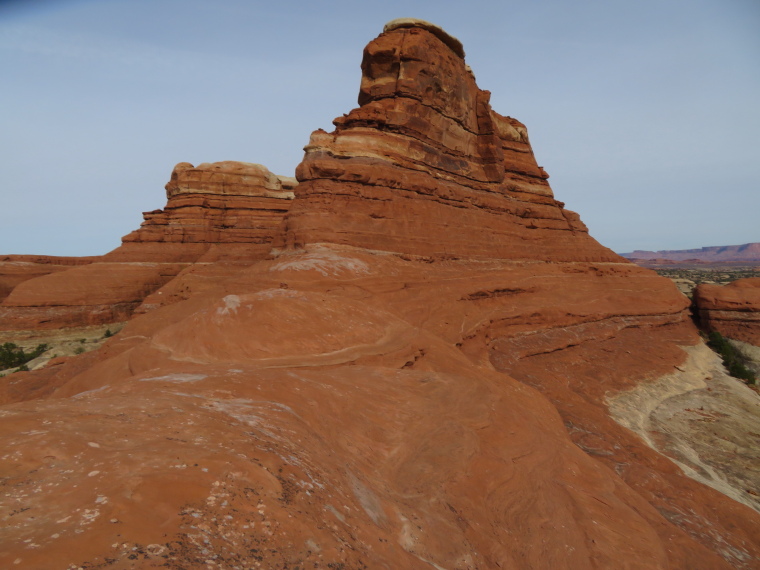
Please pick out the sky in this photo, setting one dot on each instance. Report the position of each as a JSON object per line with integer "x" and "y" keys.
{"x": 645, "y": 114}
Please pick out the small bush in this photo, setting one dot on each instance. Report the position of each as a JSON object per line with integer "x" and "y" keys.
{"x": 733, "y": 360}
{"x": 108, "y": 334}
{"x": 79, "y": 350}
{"x": 12, "y": 356}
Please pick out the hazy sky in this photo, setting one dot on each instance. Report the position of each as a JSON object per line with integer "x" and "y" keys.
{"x": 645, "y": 113}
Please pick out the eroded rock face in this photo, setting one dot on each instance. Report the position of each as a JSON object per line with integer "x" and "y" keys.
{"x": 733, "y": 309}
{"x": 235, "y": 203}
{"x": 82, "y": 296}
{"x": 419, "y": 376}
{"x": 15, "y": 269}
{"x": 425, "y": 153}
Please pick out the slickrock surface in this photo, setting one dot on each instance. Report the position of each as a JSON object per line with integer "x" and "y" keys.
{"x": 86, "y": 295}
{"x": 434, "y": 368}
{"x": 15, "y": 269}
{"x": 703, "y": 419}
{"x": 733, "y": 309}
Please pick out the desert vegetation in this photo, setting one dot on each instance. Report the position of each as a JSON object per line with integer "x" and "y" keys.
{"x": 688, "y": 277}
{"x": 720, "y": 276}
{"x": 733, "y": 360}
{"x": 12, "y": 356}
{"x": 711, "y": 275}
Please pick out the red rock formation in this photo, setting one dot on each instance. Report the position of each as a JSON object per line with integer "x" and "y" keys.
{"x": 425, "y": 153}
{"x": 15, "y": 269}
{"x": 49, "y": 260}
{"x": 238, "y": 204}
{"x": 87, "y": 295}
{"x": 733, "y": 310}
{"x": 417, "y": 378}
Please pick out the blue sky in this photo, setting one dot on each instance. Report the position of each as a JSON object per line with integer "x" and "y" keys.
{"x": 645, "y": 114}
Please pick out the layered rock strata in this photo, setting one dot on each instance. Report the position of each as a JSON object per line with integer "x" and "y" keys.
{"x": 419, "y": 376}
{"x": 733, "y": 309}
{"x": 238, "y": 204}
{"x": 15, "y": 269}
{"x": 88, "y": 295}
{"x": 425, "y": 153}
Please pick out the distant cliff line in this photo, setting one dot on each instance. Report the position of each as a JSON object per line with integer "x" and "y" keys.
{"x": 746, "y": 252}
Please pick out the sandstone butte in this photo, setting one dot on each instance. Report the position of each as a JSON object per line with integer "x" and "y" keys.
{"x": 416, "y": 357}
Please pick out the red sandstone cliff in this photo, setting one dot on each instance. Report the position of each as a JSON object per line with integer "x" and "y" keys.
{"x": 421, "y": 374}
{"x": 15, "y": 269}
{"x": 234, "y": 204}
{"x": 733, "y": 310}
{"x": 424, "y": 154}
{"x": 238, "y": 204}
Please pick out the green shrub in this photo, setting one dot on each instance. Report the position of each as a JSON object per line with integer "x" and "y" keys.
{"x": 108, "y": 334}
{"x": 12, "y": 356}
{"x": 79, "y": 350}
{"x": 733, "y": 360}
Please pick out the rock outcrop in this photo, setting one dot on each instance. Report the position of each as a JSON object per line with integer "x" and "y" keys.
{"x": 733, "y": 310}
{"x": 15, "y": 269}
{"x": 425, "y": 153}
{"x": 427, "y": 371}
{"x": 92, "y": 294}
{"x": 237, "y": 204}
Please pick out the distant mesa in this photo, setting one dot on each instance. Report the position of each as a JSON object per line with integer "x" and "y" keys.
{"x": 745, "y": 253}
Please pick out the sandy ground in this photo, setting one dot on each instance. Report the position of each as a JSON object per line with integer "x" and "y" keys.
{"x": 62, "y": 342}
{"x": 751, "y": 352}
{"x": 707, "y": 422}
